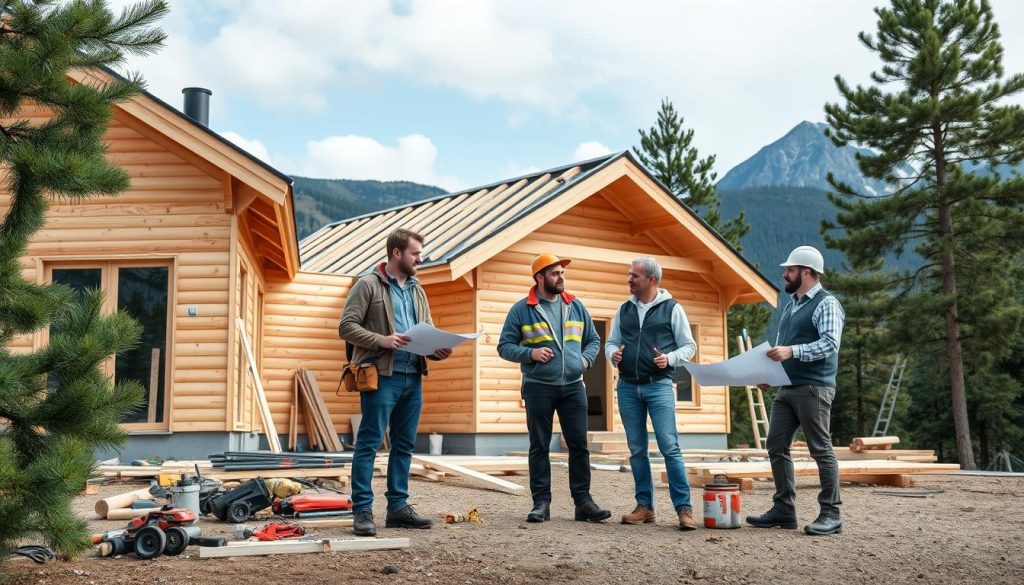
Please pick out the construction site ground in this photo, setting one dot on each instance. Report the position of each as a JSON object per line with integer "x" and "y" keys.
{"x": 972, "y": 532}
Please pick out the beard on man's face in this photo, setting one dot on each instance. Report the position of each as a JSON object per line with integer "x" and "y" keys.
{"x": 553, "y": 287}
{"x": 793, "y": 285}
{"x": 407, "y": 266}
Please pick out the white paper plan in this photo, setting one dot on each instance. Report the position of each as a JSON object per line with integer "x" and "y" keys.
{"x": 747, "y": 369}
{"x": 426, "y": 339}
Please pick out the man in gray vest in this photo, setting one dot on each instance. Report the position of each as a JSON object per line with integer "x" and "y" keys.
{"x": 650, "y": 337}
{"x": 808, "y": 347}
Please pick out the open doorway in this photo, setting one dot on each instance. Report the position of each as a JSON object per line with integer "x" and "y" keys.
{"x": 596, "y": 381}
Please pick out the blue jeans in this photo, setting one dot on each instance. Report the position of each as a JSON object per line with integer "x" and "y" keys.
{"x": 657, "y": 399}
{"x": 397, "y": 401}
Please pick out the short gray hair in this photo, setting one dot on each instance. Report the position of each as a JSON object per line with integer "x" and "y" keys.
{"x": 650, "y": 268}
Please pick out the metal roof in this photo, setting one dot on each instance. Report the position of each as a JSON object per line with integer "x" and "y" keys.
{"x": 451, "y": 224}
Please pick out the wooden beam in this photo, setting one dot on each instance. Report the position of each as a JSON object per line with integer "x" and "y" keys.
{"x": 439, "y": 464}
{"x": 532, "y": 246}
{"x": 282, "y": 547}
{"x": 635, "y": 229}
{"x": 244, "y": 198}
{"x": 261, "y": 397}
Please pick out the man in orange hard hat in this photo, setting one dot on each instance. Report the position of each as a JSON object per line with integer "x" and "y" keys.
{"x": 551, "y": 336}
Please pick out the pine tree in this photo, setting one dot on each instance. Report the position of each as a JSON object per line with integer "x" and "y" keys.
{"x": 56, "y": 404}
{"x": 667, "y": 150}
{"x": 865, "y": 355}
{"x": 942, "y": 61}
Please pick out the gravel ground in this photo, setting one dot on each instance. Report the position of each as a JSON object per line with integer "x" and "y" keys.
{"x": 972, "y": 532}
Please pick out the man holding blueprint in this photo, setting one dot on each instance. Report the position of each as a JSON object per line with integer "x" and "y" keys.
{"x": 807, "y": 346}
{"x": 382, "y": 307}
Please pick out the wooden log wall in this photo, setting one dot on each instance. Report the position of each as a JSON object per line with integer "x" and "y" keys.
{"x": 173, "y": 212}
{"x": 301, "y": 331}
{"x": 602, "y": 287}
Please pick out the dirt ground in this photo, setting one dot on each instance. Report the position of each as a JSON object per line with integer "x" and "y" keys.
{"x": 971, "y": 533}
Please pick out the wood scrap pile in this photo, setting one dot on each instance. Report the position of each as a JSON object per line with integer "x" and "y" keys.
{"x": 308, "y": 402}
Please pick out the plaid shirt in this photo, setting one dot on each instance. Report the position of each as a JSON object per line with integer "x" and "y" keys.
{"x": 828, "y": 319}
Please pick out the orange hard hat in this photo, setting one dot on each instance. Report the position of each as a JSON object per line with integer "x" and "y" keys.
{"x": 547, "y": 259}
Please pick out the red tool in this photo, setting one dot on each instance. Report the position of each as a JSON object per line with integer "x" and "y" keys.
{"x": 279, "y": 531}
{"x": 163, "y": 530}
{"x": 312, "y": 503}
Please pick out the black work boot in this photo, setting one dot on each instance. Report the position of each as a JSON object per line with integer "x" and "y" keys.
{"x": 825, "y": 524}
{"x": 541, "y": 511}
{"x": 406, "y": 518}
{"x": 589, "y": 511}
{"x": 362, "y": 523}
{"x": 773, "y": 518}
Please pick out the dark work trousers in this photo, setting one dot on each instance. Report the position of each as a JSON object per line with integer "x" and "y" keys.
{"x": 809, "y": 407}
{"x": 570, "y": 402}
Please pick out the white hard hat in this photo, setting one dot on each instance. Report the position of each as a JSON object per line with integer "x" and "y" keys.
{"x": 808, "y": 256}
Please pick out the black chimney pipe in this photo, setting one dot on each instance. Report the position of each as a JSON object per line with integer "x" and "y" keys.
{"x": 197, "y": 104}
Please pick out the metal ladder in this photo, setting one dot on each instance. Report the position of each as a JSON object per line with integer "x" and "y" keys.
{"x": 888, "y": 405}
{"x": 755, "y": 400}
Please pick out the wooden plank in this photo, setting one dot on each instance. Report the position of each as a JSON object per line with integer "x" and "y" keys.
{"x": 244, "y": 549}
{"x": 293, "y": 416}
{"x": 327, "y": 523}
{"x": 890, "y": 479}
{"x": 322, "y": 412}
{"x": 261, "y": 397}
{"x": 493, "y": 482}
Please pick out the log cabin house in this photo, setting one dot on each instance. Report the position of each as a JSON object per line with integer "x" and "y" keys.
{"x": 206, "y": 235}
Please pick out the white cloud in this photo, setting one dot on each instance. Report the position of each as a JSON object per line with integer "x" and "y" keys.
{"x": 741, "y": 73}
{"x": 589, "y": 150}
{"x": 253, "y": 147}
{"x": 359, "y": 157}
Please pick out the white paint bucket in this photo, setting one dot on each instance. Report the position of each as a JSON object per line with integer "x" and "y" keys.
{"x": 435, "y": 443}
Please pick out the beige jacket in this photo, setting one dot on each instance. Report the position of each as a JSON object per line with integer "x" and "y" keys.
{"x": 369, "y": 316}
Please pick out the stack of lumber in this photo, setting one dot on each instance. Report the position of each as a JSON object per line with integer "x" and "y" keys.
{"x": 309, "y": 402}
{"x": 255, "y": 461}
{"x": 247, "y": 465}
{"x": 870, "y": 471}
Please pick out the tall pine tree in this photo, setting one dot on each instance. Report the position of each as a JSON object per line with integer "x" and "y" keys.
{"x": 667, "y": 150}
{"x": 865, "y": 355}
{"x": 56, "y": 404}
{"x": 936, "y": 104}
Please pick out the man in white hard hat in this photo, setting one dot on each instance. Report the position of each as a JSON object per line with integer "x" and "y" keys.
{"x": 808, "y": 347}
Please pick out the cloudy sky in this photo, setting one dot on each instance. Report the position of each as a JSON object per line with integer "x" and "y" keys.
{"x": 458, "y": 93}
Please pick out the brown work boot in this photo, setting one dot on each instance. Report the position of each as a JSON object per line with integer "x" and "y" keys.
{"x": 640, "y": 515}
{"x": 686, "y": 519}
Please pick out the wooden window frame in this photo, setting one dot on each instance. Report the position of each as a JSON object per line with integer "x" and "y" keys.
{"x": 694, "y": 386}
{"x": 108, "y": 283}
